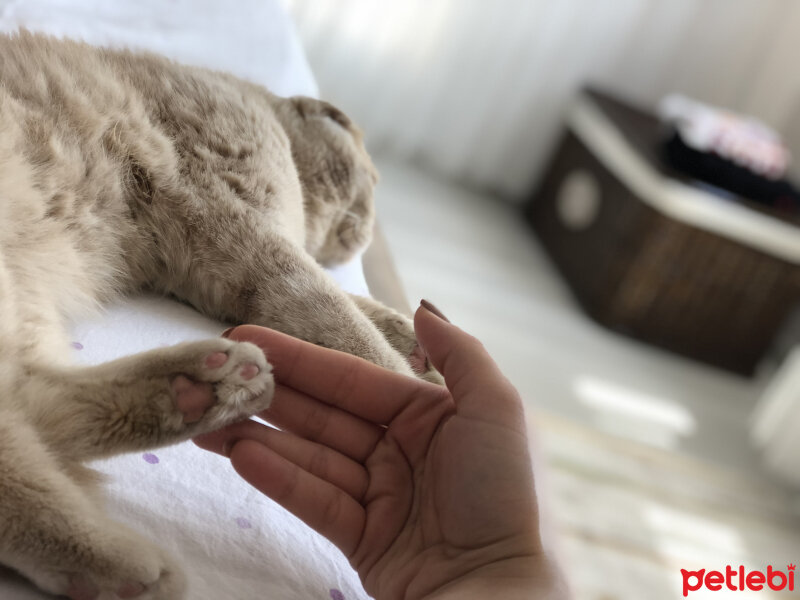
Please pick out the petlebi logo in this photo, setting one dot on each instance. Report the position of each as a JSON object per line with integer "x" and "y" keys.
{"x": 739, "y": 579}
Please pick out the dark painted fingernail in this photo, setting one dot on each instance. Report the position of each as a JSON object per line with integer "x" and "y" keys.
{"x": 227, "y": 332}
{"x": 431, "y": 308}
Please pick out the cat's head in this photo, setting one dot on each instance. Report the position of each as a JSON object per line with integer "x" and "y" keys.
{"x": 337, "y": 175}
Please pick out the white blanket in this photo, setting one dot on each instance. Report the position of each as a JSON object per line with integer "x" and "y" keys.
{"x": 234, "y": 543}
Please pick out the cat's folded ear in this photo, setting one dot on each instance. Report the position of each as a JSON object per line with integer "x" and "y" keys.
{"x": 331, "y": 112}
{"x": 310, "y": 108}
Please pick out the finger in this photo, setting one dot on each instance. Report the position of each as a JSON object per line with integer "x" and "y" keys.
{"x": 339, "y": 379}
{"x": 319, "y": 422}
{"x": 320, "y": 504}
{"x": 313, "y": 420}
{"x": 320, "y": 461}
{"x": 219, "y": 441}
{"x": 458, "y": 356}
{"x": 469, "y": 372}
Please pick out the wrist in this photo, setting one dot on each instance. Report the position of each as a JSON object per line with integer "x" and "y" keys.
{"x": 515, "y": 579}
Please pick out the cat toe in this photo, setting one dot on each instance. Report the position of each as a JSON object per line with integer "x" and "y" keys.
{"x": 192, "y": 398}
{"x": 81, "y": 588}
{"x": 418, "y": 360}
{"x": 422, "y": 367}
{"x": 231, "y": 380}
{"x": 216, "y": 360}
{"x": 131, "y": 590}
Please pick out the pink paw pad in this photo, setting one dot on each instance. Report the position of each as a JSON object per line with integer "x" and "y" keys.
{"x": 418, "y": 360}
{"x": 216, "y": 360}
{"x": 249, "y": 371}
{"x": 192, "y": 398}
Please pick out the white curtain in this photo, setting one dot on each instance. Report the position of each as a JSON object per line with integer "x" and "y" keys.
{"x": 475, "y": 89}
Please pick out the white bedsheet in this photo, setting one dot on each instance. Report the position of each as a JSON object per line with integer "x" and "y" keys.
{"x": 234, "y": 543}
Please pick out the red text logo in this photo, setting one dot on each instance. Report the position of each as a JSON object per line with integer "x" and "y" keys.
{"x": 738, "y": 579}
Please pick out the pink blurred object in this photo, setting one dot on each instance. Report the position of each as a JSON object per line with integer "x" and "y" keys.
{"x": 744, "y": 140}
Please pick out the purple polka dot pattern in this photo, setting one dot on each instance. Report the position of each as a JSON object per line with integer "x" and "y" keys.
{"x": 150, "y": 458}
{"x": 243, "y": 523}
{"x": 336, "y": 595}
{"x": 77, "y": 345}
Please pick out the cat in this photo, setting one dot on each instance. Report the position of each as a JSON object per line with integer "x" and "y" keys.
{"x": 122, "y": 172}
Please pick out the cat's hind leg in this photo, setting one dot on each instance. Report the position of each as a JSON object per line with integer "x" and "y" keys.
{"x": 52, "y": 532}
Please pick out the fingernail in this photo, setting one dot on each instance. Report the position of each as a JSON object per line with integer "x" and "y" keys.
{"x": 431, "y": 308}
{"x": 227, "y": 332}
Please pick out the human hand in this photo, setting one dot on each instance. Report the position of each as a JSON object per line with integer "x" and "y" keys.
{"x": 428, "y": 492}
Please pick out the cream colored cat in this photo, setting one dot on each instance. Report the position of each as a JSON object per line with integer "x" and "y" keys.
{"x": 122, "y": 172}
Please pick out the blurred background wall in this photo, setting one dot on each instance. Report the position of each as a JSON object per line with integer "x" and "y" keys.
{"x": 476, "y": 89}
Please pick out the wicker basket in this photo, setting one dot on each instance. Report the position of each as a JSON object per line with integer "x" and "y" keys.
{"x": 715, "y": 285}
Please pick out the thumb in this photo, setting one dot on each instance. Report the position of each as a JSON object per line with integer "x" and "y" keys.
{"x": 467, "y": 368}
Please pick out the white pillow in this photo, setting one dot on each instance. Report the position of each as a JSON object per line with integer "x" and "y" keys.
{"x": 253, "y": 39}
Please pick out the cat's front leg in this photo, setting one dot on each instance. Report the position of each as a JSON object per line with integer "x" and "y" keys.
{"x": 270, "y": 281}
{"x": 146, "y": 400}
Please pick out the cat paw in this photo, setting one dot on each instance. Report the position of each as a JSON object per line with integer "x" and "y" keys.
{"x": 120, "y": 566}
{"x": 163, "y": 585}
{"x": 399, "y": 332}
{"x": 422, "y": 367}
{"x": 219, "y": 382}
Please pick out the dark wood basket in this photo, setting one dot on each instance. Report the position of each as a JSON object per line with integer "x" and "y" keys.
{"x": 660, "y": 280}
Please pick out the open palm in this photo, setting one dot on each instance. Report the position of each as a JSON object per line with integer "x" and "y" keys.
{"x": 418, "y": 485}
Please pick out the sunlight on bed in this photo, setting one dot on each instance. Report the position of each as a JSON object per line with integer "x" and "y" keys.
{"x": 694, "y": 540}
{"x": 636, "y": 415}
